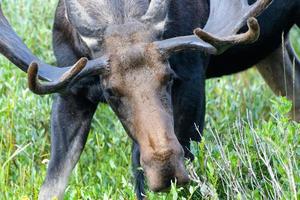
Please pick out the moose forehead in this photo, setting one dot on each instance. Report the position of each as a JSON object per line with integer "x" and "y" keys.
{"x": 134, "y": 59}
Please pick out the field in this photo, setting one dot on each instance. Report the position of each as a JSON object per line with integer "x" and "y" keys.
{"x": 250, "y": 148}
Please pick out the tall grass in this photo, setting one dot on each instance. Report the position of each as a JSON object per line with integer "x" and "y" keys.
{"x": 250, "y": 161}
{"x": 250, "y": 149}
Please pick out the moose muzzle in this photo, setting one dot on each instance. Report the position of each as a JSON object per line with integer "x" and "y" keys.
{"x": 164, "y": 167}
{"x": 162, "y": 156}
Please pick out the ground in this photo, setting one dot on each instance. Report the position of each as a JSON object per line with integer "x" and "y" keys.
{"x": 250, "y": 149}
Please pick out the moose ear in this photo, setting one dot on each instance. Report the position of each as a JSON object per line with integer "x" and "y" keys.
{"x": 87, "y": 16}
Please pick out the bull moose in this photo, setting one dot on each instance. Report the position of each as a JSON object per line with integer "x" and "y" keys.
{"x": 142, "y": 58}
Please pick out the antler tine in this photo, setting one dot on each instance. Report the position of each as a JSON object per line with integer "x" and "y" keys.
{"x": 222, "y": 44}
{"x": 236, "y": 13}
{"x": 68, "y": 76}
{"x": 59, "y": 78}
{"x": 226, "y": 18}
{"x": 256, "y": 9}
{"x": 51, "y": 87}
{"x": 157, "y": 11}
{"x": 85, "y": 24}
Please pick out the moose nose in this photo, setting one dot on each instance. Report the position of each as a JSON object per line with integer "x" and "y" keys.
{"x": 161, "y": 173}
{"x": 161, "y": 180}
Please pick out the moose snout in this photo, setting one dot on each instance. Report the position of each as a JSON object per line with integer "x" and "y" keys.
{"x": 162, "y": 171}
{"x": 161, "y": 154}
{"x": 161, "y": 180}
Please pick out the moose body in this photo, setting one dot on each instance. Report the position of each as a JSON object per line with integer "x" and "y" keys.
{"x": 144, "y": 61}
{"x": 275, "y": 23}
{"x": 278, "y": 64}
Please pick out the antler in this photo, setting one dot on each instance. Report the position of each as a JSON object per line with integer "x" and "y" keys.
{"x": 80, "y": 18}
{"x": 157, "y": 11}
{"x": 226, "y": 18}
{"x": 59, "y": 78}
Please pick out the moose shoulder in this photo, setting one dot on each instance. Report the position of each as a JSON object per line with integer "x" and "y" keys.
{"x": 144, "y": 61}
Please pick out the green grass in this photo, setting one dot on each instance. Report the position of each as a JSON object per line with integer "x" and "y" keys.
{"x": 250, "y": 149}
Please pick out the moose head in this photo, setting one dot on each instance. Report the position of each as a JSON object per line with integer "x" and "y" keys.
{"x": 131, "y": 60}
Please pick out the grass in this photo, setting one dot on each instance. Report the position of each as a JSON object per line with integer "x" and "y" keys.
{"x": 250, "y": 149}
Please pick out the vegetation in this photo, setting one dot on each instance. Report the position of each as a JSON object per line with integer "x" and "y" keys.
{"x": 250, "y": 148}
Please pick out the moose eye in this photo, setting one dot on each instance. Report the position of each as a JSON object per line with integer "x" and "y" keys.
{"x": 110, "y": 92}
{"x": 113, "y": 97}
{"x": 169, "y": 78}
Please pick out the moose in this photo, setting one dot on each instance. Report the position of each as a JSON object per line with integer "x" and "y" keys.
{"x": 148, "y": 60}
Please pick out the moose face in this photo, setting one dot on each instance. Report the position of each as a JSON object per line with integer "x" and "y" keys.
{"x": 138, "y": 88}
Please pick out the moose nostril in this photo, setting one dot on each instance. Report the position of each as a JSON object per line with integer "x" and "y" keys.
{"x": 161, "y": 180}
{"x": 164, "y": 166}
{"x": 162, "y": 155}
{"x": 182, "y": 181}
{"x": 165, "y": 187}
{"x": 166, "y": 184}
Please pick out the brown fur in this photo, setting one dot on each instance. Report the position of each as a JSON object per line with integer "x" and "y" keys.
{"x": 139, "y": 81}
